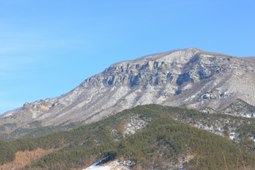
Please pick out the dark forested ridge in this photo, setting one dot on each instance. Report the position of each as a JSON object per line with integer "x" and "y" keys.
{"x": 152, "y": 136}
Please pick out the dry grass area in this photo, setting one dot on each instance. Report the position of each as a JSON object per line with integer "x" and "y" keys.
{"x": 24, "y": 158}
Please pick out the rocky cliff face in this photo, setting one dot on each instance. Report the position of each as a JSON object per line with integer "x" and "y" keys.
{"x": 190, "y": 77}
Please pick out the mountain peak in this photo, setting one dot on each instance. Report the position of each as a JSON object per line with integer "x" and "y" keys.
{"x": 156, "y": 56}
{"x": 186, "y": 77}
{"x": 187, "y": 52}
{"x": 179, "y": 56}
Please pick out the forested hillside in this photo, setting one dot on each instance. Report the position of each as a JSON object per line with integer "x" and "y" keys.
{"x": 150, "y": 136}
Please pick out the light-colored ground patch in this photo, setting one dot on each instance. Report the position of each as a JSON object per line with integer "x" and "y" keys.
{"x": 135, "y": 124}
{"x": 113, "y": 165}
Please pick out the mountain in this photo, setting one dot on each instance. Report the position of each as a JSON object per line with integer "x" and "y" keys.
{"x": 191, "y": 78}
{"x": 145, "y": 137}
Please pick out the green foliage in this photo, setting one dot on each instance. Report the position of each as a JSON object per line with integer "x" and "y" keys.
{"x": 246, "y": 133}
{"x": 163, "y": 140}
{"x": 7, "y": 153}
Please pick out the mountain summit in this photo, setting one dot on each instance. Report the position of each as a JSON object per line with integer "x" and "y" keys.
{"x": 188, "y": 77}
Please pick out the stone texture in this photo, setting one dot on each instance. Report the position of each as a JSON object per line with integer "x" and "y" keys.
{"x": 189, "y": 77}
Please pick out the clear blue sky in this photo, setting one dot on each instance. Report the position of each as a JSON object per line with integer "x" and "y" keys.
{"x": 48, "y": 47}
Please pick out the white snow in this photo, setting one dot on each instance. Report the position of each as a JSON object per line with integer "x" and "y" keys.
{"x": 98, "y": 168}
{"x": 232, "y": 135}
{"x": 8, "y": 114}
{"x": 114, "y": 165}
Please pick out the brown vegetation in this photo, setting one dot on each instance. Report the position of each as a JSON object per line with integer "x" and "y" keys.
{"x": 24, "y": 158}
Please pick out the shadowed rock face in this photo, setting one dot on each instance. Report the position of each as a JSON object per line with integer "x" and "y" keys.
{"x": 188, "y": 77}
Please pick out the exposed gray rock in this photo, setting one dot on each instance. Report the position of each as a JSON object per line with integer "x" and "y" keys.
{"x": 134, "y": 124}
{"x": 240, "y": 108}
{"x": 187, "y": 77}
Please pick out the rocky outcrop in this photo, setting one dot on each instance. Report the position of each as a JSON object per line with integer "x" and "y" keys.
{"x": 190, "y": 77}
{"x": 240, "y": 108}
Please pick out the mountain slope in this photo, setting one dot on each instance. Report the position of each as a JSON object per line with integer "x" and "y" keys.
{"x": 240, "y": 108}
{"x": 188, "y": 77}
{"x": 147, "y": 135}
